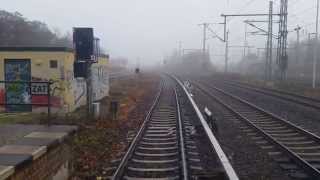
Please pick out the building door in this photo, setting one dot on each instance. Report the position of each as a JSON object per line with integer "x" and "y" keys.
{"x": 18, "y": 93}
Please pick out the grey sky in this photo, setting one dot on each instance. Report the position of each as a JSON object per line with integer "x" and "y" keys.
{"x": 151, "y": 29}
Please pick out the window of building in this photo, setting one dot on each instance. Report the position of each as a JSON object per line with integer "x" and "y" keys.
{"x": 53, "y": 64}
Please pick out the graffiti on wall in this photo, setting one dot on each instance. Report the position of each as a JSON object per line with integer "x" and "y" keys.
{"x": 100, "y": 85}
{"x": 67, "y": 92}
{"x": 17, "y": 94}
{"x": 79, "y": 92}
{"x": 39, "y": 95}
{"x": 100, "y": 82}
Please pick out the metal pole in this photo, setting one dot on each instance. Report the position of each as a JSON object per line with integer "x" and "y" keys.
{"x": 49, "y": 102}
{"x": 89, "y": 90}
{"x": 226, "y": 53}
{"x": 180, "y": 48}
{"x": 282, "y": 57}
{"x": 266, "y": 71}
{"x": 225, "y": 28}
{"x": 268, "y": 68}
{"x": 271, "y": 41}
{"x": 245, "y": 39}
{"x": 297, "y": 29}
{"x": 204, "y": 37}
{"x": 315, "y": 50}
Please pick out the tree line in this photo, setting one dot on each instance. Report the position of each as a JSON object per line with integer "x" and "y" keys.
{"x": 16, "y": 30}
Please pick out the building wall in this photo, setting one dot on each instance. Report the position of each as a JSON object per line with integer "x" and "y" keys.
{"x": 100, "y": 79}
{"x": 68, "y": 93}
{"x": 53, "y": 163}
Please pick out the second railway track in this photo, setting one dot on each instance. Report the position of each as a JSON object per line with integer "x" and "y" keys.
{"x": 288, "y": 96}
{"x": 173, "y": 143}
{"x": 278, "y": 136}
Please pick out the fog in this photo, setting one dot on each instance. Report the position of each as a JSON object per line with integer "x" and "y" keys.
{"x": 150, "y": 30}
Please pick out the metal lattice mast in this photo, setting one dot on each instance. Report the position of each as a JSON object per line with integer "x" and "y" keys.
{"x": 315, "y": 50}
{"x": 282, "y": 57}
{"x": 204, "y": 38}
{"x": 269, "y": 43}
{"x": 226, "y": 52}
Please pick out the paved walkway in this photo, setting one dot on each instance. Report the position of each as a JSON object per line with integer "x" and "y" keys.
{"x": 22, "y": 144}
{"x": 11, "y": 133}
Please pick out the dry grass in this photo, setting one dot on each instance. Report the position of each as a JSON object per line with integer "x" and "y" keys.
{"x": 101, "y": 141}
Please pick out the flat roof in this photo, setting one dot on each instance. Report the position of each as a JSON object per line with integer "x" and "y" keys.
{"x": 31, "y": 48}
{"x": 41, "y": 49}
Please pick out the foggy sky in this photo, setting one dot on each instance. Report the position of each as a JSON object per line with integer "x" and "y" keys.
{"x": 151, "y": 29}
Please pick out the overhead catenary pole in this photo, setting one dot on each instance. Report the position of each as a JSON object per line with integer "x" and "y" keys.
{"x": 244, "y": 15}
{"x": 315, "y": 49}
{"x": 245, "y": 39}
{"x": 204, "y": 38}
{"x": 180, "y": 48}
{"x": 225, "y": 28}
{"x": 89, "y": 90}
{"x": 282, "y": 56}
{"x": 268, "y": 67}
{"x": 226, "y": 52}
{"x": 297, "y": 29}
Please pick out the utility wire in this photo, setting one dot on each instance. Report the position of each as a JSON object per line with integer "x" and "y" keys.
{"x": 248, "y": 3}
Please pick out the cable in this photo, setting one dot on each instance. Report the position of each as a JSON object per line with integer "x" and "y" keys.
{"x": 243, "y": 8}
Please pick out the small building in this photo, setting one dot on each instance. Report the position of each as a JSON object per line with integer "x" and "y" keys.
{"x": 44, "y": 64}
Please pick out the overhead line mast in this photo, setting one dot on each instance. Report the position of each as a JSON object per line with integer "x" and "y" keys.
{"x": 268, "y": 67}
{"x": 283, "y": 12}
{"x": 282, "y": 56}
{"x": 315, "y": 49}
{"x": 205, "y": 25}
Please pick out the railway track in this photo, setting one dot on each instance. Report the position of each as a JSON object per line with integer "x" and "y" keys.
{"x": 297, "y": 150}
{"x": 166, "y": 147}
{"x": 288, "y": 96}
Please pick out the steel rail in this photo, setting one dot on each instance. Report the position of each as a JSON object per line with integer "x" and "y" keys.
{"x": 315, "y": 137}
{"x": 230, "y": 172}
{"x": 278, "y": 91}
{"x": 120, "y": 170}
{"x": 299, "y": 99}
{"x": 304, "y": 164}
{"x": 182, "y": 145}
{"x": 275, "y": 90}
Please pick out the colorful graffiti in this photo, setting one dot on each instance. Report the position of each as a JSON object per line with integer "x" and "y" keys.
{"x": 17, "y": 93}
{"x": 68, "y": 93}
{"x": 41, "y": 98}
